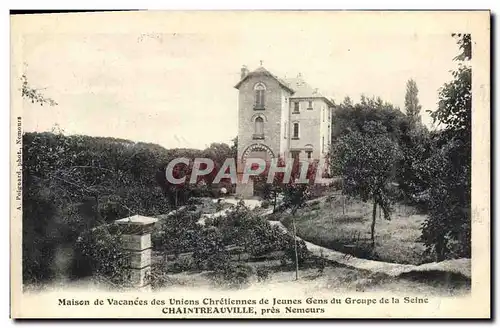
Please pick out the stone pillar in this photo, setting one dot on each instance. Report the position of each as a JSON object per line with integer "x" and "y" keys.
{"x": 136, "y": 237}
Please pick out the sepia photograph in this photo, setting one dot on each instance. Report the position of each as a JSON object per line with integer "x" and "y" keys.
{"x": 250, "y": 164}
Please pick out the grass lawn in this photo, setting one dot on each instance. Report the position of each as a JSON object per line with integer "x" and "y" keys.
{"x": 324, "y": 224}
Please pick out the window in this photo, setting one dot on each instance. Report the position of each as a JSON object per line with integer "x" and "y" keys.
{"x": 323, "y": 144}
{"x": 259, "y": 128}
{"x": 296, "y": 107}
{"x": 285, "y": 130}
{"x": 310, "y": 105}
{"x": 309, "y": 154}
{"x": 296, "y": 130}
{"x": 323, "y": 114}
{"x": 260, "y": 91}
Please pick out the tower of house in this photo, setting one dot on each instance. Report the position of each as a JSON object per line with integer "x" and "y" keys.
{"x": 279, "y": 118}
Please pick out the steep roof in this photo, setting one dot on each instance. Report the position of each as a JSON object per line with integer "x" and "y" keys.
{"x": 262, "y": 71}
{"x": 297, "y": 86}
{"x": 304, "y": 90}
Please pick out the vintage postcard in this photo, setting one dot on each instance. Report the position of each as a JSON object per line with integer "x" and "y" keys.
{"x": 250, "y": 164}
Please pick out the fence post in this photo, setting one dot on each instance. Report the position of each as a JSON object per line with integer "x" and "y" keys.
{"x": 136, "y": 241}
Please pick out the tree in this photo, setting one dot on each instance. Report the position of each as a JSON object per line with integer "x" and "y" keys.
{"x": 74, "y": 183}
{"x": 33, "y": 94}
{"x": 366, "y": 160}
{"x": 352, "y": 117}
{"x": 234, "y": 148}
{"x": 295, "y": 193}
{"x": 447, "y": 230}
{"x": 412, "y": 104}
{"x": 414, "y": 142}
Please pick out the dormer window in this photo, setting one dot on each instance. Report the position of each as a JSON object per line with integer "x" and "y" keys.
{"x": 260, "y": 96}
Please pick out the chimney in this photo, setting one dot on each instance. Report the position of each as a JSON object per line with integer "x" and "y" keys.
{"x": 315, "y": 92}
{"x": 244, "y": 71}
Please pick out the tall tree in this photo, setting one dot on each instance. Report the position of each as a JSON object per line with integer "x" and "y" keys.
{"x": 412, "y": 104}
{"x": 447, "y": 230}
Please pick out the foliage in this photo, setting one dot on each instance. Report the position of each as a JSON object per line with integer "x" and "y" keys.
{"x": 182, "y": 264}
{"x": 179, "y": 193}
{"x": 447, "y": 231}
{"x": 34, "y": 95}
{"x": 412, "y": 105}
{"x": 100, "y": 249}
{"x": 413, "y": 177}
{"x": 209, "y": 251}
{"x": 295, "y": 196}
{"x": 349, "y": 117}
{"x": 263, "y": 273}
{"x": 234, "y": 148}
{"x": 176, "y": 233}
{"x": 74, "y": 183}
{"x": 158, "y": 277}
{"x": 235, "y": 275}
{"x": 262, "y": 238}
{"x": 255, "y": 234}
{"x": 455, "y": 103}
{"x": 302, "y": 253}
{"x": 366, "y": 161}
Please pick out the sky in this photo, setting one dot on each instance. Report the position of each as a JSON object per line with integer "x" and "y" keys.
{"x": 173, "y": 84}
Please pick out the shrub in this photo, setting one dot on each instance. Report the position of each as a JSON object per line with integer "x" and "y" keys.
{"x": 337, "y": 184}
{"x": 263, "y": 273}
{"x": 176, "y": 233}
{"x": 265, "y": 204}
{"x": 234, "y": 275}
{"x": 210, "y": 252}
{"x": 262, "y": 238}
{"x": 157, "y": 277}
{"x": 302, "y": 251}
{"x": 182, "y": 264}
{"x": 101, "y": 250}
{"x": 195, "y": 201}
{"x": 446, "y": 232}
